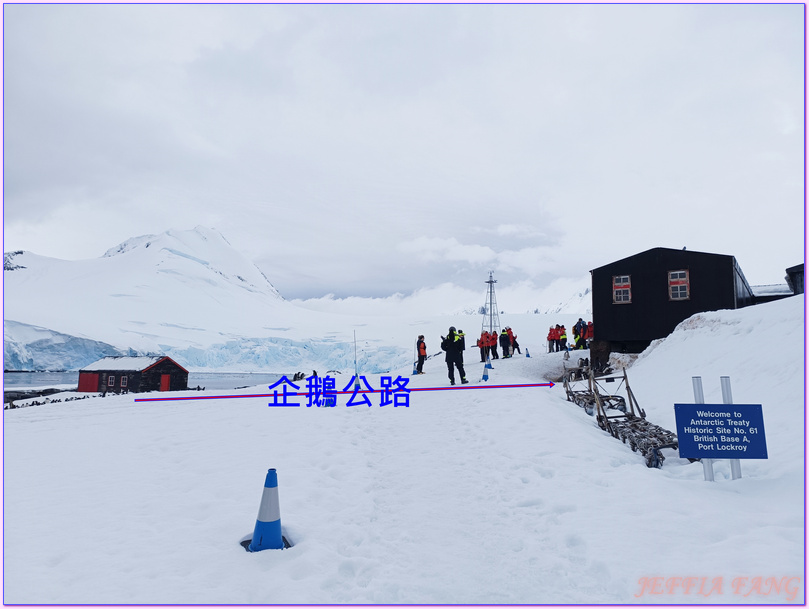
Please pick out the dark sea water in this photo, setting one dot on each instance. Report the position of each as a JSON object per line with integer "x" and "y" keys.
{"x": 209, "y": 380}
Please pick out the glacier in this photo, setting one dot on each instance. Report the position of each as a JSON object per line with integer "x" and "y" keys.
{"x": 27, "y": 347}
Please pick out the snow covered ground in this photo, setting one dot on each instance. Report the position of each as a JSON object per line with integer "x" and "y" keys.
{"x": 466, "y": 496}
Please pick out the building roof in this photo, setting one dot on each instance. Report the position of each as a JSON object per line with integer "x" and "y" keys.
{"x": 127, "y": 364}
{"x": 665, "y": 249}
{"x": 779, "y": 289}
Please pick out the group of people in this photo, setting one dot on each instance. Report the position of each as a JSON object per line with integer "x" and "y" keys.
{"x": 454, "y": 344}
{"x": 487, "y": 343}
{"x": 557, "y": 339}
{"x": 582, "y": 335}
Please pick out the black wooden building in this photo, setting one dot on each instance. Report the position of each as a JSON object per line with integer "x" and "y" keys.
{"x": 795, "y": 278}
{"x": 643, "y": 297}
{"x": 135, "y": 374}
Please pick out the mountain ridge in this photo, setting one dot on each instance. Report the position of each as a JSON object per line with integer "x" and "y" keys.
{"x": 190, "y": 294}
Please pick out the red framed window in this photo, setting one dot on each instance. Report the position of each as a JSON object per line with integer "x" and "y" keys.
{"x": 621, "y": 289}
{"x": 110, "y": 381}
{"x": 679, "y": 285}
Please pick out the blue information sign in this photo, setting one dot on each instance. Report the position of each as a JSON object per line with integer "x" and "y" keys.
{"x": 720, "y": 431}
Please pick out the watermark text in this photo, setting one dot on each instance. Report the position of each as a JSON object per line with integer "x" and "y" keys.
{"x": 784, "y": 587}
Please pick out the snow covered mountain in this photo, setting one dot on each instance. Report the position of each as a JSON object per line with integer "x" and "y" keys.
{"x": 180, "y": 289}
{"x": 188, "y": 294}
{"x": 184, "y": 279}
{"x": 192, "y": 296}
{"x": 220, "y": 257}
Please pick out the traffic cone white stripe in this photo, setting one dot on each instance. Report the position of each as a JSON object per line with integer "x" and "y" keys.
{"x": 269, "y": 510}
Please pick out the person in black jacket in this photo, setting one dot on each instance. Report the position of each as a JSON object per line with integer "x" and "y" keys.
{"x": 505, "y": 343}
{"x": 454, "y": 344}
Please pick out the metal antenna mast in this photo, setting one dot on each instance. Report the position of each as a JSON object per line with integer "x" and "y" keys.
{"x": 491, "y": 318}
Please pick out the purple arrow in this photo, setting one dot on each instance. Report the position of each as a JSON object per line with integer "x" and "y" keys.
{"x": 291, "y": 393}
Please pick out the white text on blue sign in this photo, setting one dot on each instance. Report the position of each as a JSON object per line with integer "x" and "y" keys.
{"x": 720, "y": 431}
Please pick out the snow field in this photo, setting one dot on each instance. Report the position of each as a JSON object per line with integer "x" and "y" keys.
{"x": 467, "y": 496}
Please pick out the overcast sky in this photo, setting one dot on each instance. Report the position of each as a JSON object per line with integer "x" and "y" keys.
{"x": 368, "y": 150}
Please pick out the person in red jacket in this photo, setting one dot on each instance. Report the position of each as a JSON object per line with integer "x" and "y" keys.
{"x": 422, "y": 349}
{"x": 515, "y": 346}
{"x": 483, "y": 344}
{"x": 510, "y": 340}
{"x": 551, "y": 339}
{"x": 493, "y": 345}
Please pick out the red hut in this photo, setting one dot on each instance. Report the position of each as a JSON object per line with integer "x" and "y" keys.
{"x": 136, "y": 374}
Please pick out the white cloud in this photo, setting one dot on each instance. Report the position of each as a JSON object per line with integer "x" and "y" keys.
{"x": 518, "y": 231}
{"x": 380, "y": 148}
{"x": 435, "y": 248}
{"x": 521, "y": 297}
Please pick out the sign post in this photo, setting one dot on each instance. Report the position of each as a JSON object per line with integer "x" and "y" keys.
{"x": 727, "y": 398}
{"x": 720, "y": 431}
{"x": 699, "y": 398}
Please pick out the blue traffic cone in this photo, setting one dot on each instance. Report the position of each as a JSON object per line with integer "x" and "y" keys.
{"x": 526, "y": 352}
{"x": 415, "y": 368}
{"x": 486, "y": 373}
{"x": 267, "y": 534}
{"x": 489, "y": 363}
